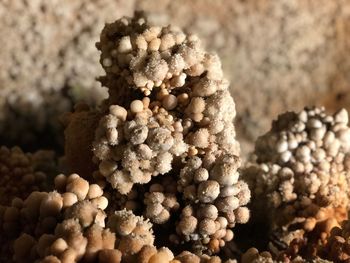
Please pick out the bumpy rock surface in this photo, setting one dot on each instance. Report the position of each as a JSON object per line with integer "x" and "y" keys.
{"x": 164, "y": 145}
{"x": 169, "y": 115}
{"x": 302, "y": 174}
{"x": 23, "y": 173}
{"x": 69, "y": 225}
{"x": 272, "y": 51}
{"x": 47, "y": 57}
{"x": 279, "y": 48}
{"x": 29, "y": 225}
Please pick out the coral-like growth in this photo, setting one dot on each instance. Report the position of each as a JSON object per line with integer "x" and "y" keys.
{"x": 142, "y": 147}
{"x": 169, "y": 114}
{"x": 302, "y": 173}
{"x": 144, "y": 57}
{"x": 133, "y": 233}
{"x": 37, "y": 217}
{"x": 159, "y": 165}
{"x": 68, "y": 225}
{"x": 214, "y": 199}
{"x": 122, "y": 241}
{"x": 161, "y": 201}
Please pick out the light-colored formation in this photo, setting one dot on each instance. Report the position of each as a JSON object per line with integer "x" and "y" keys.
{"x": 49, "y": 61}
{"x": 150, "y": 254}
{"x": 133, "y": 233}
{"x": 214, "y": 202}
{"x": 147, "y": 57}
{"x": 161, "y": 167}
{"x": 69, "y": 224}
{"x": 272, "y": 51}
{"x": 170, "y": 113}
{"x": 133, "y": 151}
{"x": 163, "y": 146}
{"x": 22, "y": 173}
{"x": 302, "y": 173}
{"x": 35, "y": 222}
{"x": 161, "y": 200}
{"x": 314, "y": 39}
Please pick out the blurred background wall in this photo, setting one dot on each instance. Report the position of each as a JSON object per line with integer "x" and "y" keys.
{"x": 278, "y": 54}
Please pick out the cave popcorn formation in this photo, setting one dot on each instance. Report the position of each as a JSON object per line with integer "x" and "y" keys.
{"x": 302, "y": 171}
{"x": 159, "y": 168}
{"x": 177, "y": 121}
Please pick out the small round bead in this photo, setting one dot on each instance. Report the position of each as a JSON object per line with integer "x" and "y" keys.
{"x": 136, "y": 106}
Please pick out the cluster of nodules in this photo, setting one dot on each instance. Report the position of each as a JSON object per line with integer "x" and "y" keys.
{"x": 52, "y": 224}
{"x": 70, "y": 224}
{"x": 336, "y": 248}
{"x": 49, "y": 74}
{"x": 159, "y": 166}
{"x": 22, "y": 173}
{"x": 177, "y": 123}
{"x": 133, "y": 151}
{"x": 149, "y": 57}
{"x": 301, "y": 175}
{"x": 214, "y": 200}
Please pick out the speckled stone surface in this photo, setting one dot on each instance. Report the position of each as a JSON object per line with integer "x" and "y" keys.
{"x": 278, "y": 55}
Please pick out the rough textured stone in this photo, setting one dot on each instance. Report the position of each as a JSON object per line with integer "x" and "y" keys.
{"x": 279, "y": 55}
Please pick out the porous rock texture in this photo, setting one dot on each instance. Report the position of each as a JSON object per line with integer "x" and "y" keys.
{"x": 30, "y": 225}
{"x": 156, "y": 119}
{"x": 48, "y": 62}
{"x": 301, "y": 175}
{"x": 169, "y": 114}
{"x": 69, "y": 224}
{"x": 278, "y": 55}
